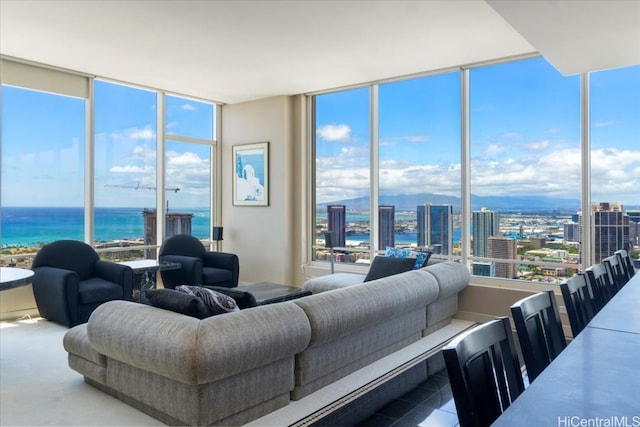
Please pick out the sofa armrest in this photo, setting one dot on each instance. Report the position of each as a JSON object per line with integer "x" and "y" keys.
{"x": 146, "y": 337}
{"x": 196, "y": 351}
{"x": 452, "y": 277}
{"x": 332, "y": 281}
{"x": 340, "y": 312}
{"x": 244, "y": 340}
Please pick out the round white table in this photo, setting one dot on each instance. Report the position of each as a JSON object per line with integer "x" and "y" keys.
{"x": 13, "y": 277}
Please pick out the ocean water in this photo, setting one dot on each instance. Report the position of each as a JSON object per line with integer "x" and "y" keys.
{"x": 30, "y": 227}
{"x": 22, "y": 226}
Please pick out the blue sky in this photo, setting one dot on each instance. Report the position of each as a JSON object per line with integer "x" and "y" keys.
{"x": 525, "y": 132}
{"x": 525, "y": 135}
{"x": 43, "y": 149}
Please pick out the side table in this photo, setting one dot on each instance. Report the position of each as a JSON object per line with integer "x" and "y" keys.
{"x": 269, "y": 293}
{"x": 13, "y": 277}
{"x": 144, "y": 275}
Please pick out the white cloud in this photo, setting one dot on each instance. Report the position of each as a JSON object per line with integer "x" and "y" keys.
{"x": 131, "y": 169}
{"x": 339, "y": 133}
{"x": 411, "y": 139}
{"x": 605, "y": 123}
{"x": 494, "y": 149}
{"x": 143, "y": 153}
{"x": 146, "y": 134}
{"x": 188, "y": 107}
{"x": 538, "y": 145}
{"x": 615, "y": 176}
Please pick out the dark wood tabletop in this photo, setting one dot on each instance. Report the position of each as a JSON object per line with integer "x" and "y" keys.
{"x": 596, "y": 379}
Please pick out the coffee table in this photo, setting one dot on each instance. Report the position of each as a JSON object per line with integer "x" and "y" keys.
{"x": 269, "y": 293}
{"x": 144, "y": 275}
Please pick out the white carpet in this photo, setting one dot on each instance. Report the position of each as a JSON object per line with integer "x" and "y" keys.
{"x": 38, "y": 388}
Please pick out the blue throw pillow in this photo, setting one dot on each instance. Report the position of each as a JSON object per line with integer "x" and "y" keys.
{"x": 421, "y": 257}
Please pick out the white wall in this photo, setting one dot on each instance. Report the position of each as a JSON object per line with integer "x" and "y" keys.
{"x": 268, "y": 240}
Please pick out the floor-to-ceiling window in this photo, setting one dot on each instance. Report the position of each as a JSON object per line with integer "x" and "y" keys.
{"x": 61, "y": 182}
{"x": 188, "y": 165}
{"x": 525, "y": 173}
{"x": 124, "y": 165}
{"x": 342, "y": 173}
{"x": 525, "y": 169}
{"x": 419, "y": 162}
{"x": 615, "y": 160}
{"x": 42, "y": 191}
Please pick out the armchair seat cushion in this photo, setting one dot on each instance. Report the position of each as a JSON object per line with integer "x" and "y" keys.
{"x": 213, "y": 275}
{"x": 97, "y": 290}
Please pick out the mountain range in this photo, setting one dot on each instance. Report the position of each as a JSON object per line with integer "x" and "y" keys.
{"x": 499, "y": 203}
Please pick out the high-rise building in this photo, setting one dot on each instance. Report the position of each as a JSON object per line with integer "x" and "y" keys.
{"x": 337, "y": 223}
{"x": 486, "y": 269}
{"x": 504, "y": 249}
{"x": 486, "y": 223}
{"x": 634, "y": 227}
{"x": 386, "y": 229}
{"x": 572, "y": 232}
{"x": 537, "y": 242}
{"x": 175, "y": 223}
{"x": 435, "y": 227}
{"x": 611, "y": 229}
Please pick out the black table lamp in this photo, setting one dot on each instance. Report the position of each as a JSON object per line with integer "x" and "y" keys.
{"x": 216, "y": 234}
{"x": 329, "y": 242}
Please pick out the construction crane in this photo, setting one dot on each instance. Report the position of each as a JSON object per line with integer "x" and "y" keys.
{"x": 141, "y": 187}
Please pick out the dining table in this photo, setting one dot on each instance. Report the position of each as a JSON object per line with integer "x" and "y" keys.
{"x": 595, "y": 380}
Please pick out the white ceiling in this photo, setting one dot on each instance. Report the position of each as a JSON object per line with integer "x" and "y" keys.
{"x": 235, "y": 51}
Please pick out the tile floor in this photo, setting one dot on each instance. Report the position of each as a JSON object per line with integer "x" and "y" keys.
{"x": 420, "y": 396}
{"x": 429, "y": 404}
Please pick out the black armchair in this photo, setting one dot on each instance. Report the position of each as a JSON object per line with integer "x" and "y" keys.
{"x": 71, "y": 281}
{"x": 199, "y": 266}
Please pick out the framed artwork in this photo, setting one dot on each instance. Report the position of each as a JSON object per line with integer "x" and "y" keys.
{"x": 251, "y": 174}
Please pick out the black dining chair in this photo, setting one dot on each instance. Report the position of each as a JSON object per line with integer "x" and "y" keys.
{"x": 575, "y": 293}
{"x": 614, "y": 267}
{"x": 601, "y": 290}
{"x": 537, "y": 322}
{"x": 626, "y": 262}
{"x": 484, "y": 372}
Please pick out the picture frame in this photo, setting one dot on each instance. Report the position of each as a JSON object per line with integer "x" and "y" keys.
{"x": 251, "y": 174}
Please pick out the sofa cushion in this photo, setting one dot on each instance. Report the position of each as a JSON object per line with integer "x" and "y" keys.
{"x": 421, "y": 257}
{"x": 218, "y": 303}
{"x": 180, "y": 302}
{"x": 385, "y": 266}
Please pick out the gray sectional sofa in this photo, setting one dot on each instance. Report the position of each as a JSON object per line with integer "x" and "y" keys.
{"x": 233, "y": 368}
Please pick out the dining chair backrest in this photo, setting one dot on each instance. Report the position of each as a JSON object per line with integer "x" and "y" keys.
{"x": 615, "y": 269}
{"x": 539, "y": 328}
{"x": 597, "y": 279}
{"x": 577, "y": 301}
{"x": 626, "y": 262}
{"x": 484, "y": 372}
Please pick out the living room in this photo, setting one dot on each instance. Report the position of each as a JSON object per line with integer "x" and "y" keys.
{"x": 256, "y": 107}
